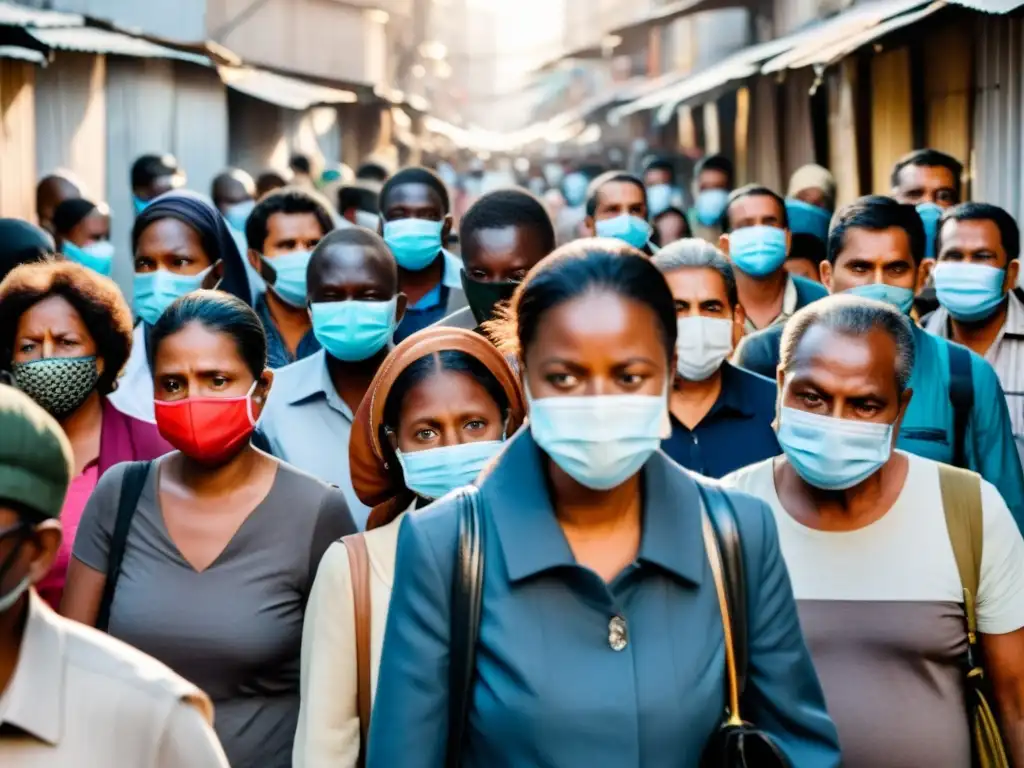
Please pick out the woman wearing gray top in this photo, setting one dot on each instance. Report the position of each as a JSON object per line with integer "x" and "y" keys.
{"x": 225, "y": 540}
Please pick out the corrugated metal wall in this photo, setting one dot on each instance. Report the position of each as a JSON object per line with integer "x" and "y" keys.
{"x": 17, "y": 139}
{"x": 892, "y": 132}
{"x": 998, "y": 162}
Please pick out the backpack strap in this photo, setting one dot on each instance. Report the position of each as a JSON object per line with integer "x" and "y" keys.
{"x": 961, "y": 503}
{"x": 359, "y": 568}
{"x": 132, "y": 483}
{"x": 961, "y": 396}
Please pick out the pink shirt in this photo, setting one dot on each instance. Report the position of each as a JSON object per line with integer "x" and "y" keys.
{"x": 52, "y": 587}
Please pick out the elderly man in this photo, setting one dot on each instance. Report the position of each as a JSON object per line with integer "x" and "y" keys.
{"x": 69, "y": 695}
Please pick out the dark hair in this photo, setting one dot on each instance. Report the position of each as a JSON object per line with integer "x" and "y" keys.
{"x": 288, "y": 201}
{"x": 719, "y": 163}
{"x": 694, "y": 253}
{"x": 97, "y": 300}
{"x": 929, "y": 158}
{"x": 219, "y": 312}
{"x": 268, "y": 181}
{"x": 507, "y": 208}
{"x": 416, "y": 174}
{"x": 300, "y": 163}
{"x": 807, "y": 247}
{"x": 875, "y": 213}
{"x": 574, "y": 270}
{"x": 661, "y": 164}
{"x": 70, "y": 213}
{"x": 610, "y": 178}
{"x": 362, "y": 197}
{"x": 754, "y": 190}
{"x": 149, "y": 168}
{"x": 372, "y": 171}
{"x": 1009, "y": 233}
{"x": 432, "y": 364}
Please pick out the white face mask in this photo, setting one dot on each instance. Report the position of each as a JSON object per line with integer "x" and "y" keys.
{"x": 8, "y": 601}
{"x": 703, "y": 345}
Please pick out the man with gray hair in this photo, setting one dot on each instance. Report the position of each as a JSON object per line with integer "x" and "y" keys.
{"x": 721, "y": 415}
{"x": 875, "y": 566}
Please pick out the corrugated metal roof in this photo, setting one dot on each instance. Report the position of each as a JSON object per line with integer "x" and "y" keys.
{"x": 20, "y": 16}
{"x": 94, "y": 40}
{"x": 22, "y": 54}
{"x": 284, "y": 91}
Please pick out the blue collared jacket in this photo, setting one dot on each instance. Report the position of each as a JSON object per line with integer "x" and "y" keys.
{"x": 551, "y": 690}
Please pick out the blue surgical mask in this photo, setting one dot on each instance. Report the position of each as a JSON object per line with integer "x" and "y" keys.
{"x": 97, "y": 256}
{"x": 353, "y": 330}
{"x": 574, "y": 189}
{"x": 631, "y": 230}
{"x": 930, "y": 214}
{"x": 710, "y": 205}
{"x": 807, "y": 219}
{"x": 833, "y": 454}
{"x": 603, "y": 440}
{"x": 659, "y": 198}
{"x": 156, "y": 291}
{"x": 238, "y": 214}
{"x": 290, "y": 283}
{"x": 757, "y": 251}
{"x": 414, "y": 242}
{"x": 893, "y": 295}
{"x": 969, "y": 292}
{"x": 437, "y": 471}
{"x": 139, "y": 204}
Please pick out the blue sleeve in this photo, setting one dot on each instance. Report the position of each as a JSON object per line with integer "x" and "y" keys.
{"x": 991, "y": 450}
{"x": 783, "y": 696}
{"x": 409, "y": 724}
{"x": 759, "y": 353}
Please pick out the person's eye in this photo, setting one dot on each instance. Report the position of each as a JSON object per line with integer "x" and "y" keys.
{"x": 219, "y": 381}
{"x": 170, "y": 385}
{"x": 946, "y": 197}
{"x": 476, "y": 425}
{"x": 632, "y": 379}
{"x": 69, "y": 342}
{"x": 867, "y": 409}
{"x": 810, "y": 399}
{"x": 562, "y": 380}
{"x": 425, "y": 435}
{"x": 28, "y": 346}
{"x": 143, "y": 264}
{"x": 518, "y": 276}
{"x": 478, "y": 274}
{"x": 898, "y": 269}
{"x": 182, "y": 261}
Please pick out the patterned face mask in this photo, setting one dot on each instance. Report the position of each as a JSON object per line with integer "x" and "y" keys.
{"x": 58, "y": 384}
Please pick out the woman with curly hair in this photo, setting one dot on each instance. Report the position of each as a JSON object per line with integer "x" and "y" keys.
{"x": 65, "y": 334}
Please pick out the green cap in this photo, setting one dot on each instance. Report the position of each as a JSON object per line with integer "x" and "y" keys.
{"x": 36, "y": 461}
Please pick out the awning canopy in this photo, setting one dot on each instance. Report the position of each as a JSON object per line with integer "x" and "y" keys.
{"x": 20, "y": 16}
{"x": 94, "y": 40}
{"x": 287, "y": 92}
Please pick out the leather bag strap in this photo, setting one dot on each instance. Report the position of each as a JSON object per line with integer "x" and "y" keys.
{"x": 359, "y": 567}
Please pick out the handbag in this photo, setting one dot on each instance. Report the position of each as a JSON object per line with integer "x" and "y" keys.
{"x": 132, "y": 483}
{"x": 359, "y": 569}
{"x": 736, "y": 743}
{"x": 961, "y": 504}
{"x": 467, "y": 600}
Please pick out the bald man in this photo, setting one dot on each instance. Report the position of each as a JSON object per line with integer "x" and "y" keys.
{"x": 355, "y": 306}
{"x": 51, "y": 191}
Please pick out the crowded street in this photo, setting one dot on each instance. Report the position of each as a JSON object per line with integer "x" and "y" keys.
{"x": 535, "y": 384}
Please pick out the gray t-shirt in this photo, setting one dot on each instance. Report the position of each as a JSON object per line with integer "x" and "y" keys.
{"x": 235, "y": 629}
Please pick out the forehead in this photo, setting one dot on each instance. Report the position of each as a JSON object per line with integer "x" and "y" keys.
{"x": 414, "y": 193}
{"x": 842, "y": 362}
{"x": 441, "y": 391}
{"x": 284, "y": 224}
{"x": 697, "y": 284}
{"x": 755, "y": 206}
{"x": 95, "y": 221}
{"x": 932, "y": 176}
{"x": 168, "y": 234}
{"x": 971, "y": 235}
{"x": 355, "y": 263}
{"x": 620, "y": 192}
{"x": 877, "y": 245}
{"x": 712, "y": 178}
{"x": 516, "y": 241}
{"x": 197, "y": 347}
{"x": 51, "y": 313}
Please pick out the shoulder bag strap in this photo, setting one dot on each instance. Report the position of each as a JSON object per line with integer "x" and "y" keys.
{"x": 961, "y": 503}
{"x": 961, "y": 397}
{"x": 131, "y": 489}
{"x": 715, "y": 561}
{"x": 467, "y": 600}
{"x": 359, "y": 568}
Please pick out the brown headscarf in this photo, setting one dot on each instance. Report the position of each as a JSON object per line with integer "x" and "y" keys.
{"x": 379, "y": 485}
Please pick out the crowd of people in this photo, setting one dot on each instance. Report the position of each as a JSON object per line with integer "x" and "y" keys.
{"x": 613, "y": 481}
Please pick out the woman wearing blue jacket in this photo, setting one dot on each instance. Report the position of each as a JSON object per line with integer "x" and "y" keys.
{"x": 600, "y": 640}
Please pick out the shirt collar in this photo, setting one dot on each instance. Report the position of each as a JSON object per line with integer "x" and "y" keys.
{"x": 310, "y": 379}
{"x": 34, "y": 700}
{"x": 790, "y": 298}
{"x": 516, "y": 494}
{"x": 938, "y": 322}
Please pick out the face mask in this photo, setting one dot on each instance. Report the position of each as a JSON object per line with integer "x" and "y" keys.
{"x": 59, "y": 384}
{"x": 368, "y": 220}
{"x": 484, "y": 297}
{"x": 969, "y": 292}
{"x": 600, "y": 441}
{"x": 659, "y": 198}
{"x": 574, "y": 189}
{"x": 807, "y": 219}
{"x": 703, "y": 345}
{"x": 757, "y": 251}
{"x": 901, "y": 298}
{"x": 833, "y": 454}
{"x": 156, "y": 291}
{"x": 632, "y": 230}
{"x": 353, "y": 330}
{"x": 437, "y": 471}
{"x": 209, "y": 430}
{"x": 139, "y": 204}
{"x": 415, "y": 242}
{"x": 238, "y": 214}
{"x": 710, "y": 205}
{"x": 930, "y": 214}
{"x": 290, "y": 283}
{"x": 97, "y": 256}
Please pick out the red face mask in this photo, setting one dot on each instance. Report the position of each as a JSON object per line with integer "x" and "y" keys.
{"x": 207, "y": 429}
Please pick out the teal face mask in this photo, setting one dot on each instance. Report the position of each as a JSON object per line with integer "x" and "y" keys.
{"x": 437, "y": 471}
{"x": 807, "y": 219}
{"x": 630, "y": 229}
{"x": 710, "y": 205}
{"x": 353, "y": 330}
{"x": 238, "y": 214}
{"x": 930, "y": 214}
{"x": 901, "y": 298}
{"x": 659, "y": 198}
{"x": 969, "y": 292}
{"x": 139, "y": 204}
{"x": 290, "y": 283}
{"x": 757, "y": 251}
{"x": 156, "y": 291}
{"x": 414, "y": 242}
{"x": 98, "y": 256}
